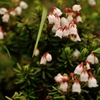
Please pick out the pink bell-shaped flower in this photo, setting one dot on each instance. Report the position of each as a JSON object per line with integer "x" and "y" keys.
{"x": 58, "y": 78}
{"x": 51, "y": 18}
{"x": 78, "y": 70}
{"x": 65, "y": 31}
{"x": 63, "y": 86}
{"x": 84, "y": 76}
{"x": 88, "y": 65}
{"x": 3, "y": 11}
{"x": 92, "y": 82}
{"x": 92, "y": 59}
{"x": 59, "y": 32}
{"x": 48, "y": 57}
{"x": 57, "y": 11}
{"x": 76, "y": 87}
{"x": 76, "y": 7}
{"x": 5, "y": 17}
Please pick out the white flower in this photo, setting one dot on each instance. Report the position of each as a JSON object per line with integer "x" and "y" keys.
{"x": 13, "y": 12}
{"x": 92, "y": 59}
{"x": 64, "y": 22}
{"x": 51, "y": 18}
{"x": 92, "y": 82}
{"x": 1, "y": 33}
{"x": 59, "y": 32}
{"x": 5, "y": 17}
{"x": 78, "y": 19}
{"x": 48, "y": 57}
{"x": 70, "y": 18}
{"x": 92, "y": 2}
{"x": 43, "y": 60}
{"x": 18, "y": 10}
{"x": 76, "y": 53}
{"x": 78, "y": 70}
{"x": 23, "y": 5}
{"x": 84, "y": 76}
{"x": 63, "y": 86}
{"x": 57, "y": 11}
{"x": 65, "y": 31}
{"x": 76, "y": 87}
{"x": 3, "y": 11}
{"x": 76, "y": 8}
{"x": 58, "y": 78}
{"x": 87, "y": 65}
{"x": 36, "y": 52}
{"x": 75, "y": 37}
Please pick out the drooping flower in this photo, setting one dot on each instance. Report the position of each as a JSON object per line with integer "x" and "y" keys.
{"x": 57, "y": 11}
{"x": 23, "y": 5}
{"x": 76, "y": 87}
{"x": 92, "y": 2}
{"x": 18, "y": 10}
{"x": 78, "y": 70}
{"x": 59, "y": 32}
{"x": 63, "y": 86}
{"x": 43, "y": 60}
{"x": 13, "y": 12}
{"x": 79, "y": 19}
{"x": 5, "y": 17}
{"x": 76, "y": 7}
{"x": 92, "y": 58}
{"x": 3, "y": 11}
{"x": 58, "y": 78}
{"x": 65, "y": 31}
{"x": 36, "y": 52}
{"x": 48, "y": 57}
{"x": 84, "y": 76}
{"x": 92, "y": 82}
{"x": 64, "y": 22}
{"x": 88, "y": 65}
{"x": 76, "y": 53}
{"x": 70, "y": 18}
{"x": 51, "y": 18}
{"x": 1, "y": 33}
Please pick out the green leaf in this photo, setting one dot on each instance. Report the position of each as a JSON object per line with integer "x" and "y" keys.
{"x": 97, "y": 51}
{"x": 8, "y": 98}
{"x": 44, "y": 14}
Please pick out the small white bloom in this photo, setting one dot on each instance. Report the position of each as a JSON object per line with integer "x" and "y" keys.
{"x": 1, "y": 35}
{"x": 84, "y": 76}
{"x": 13, "y": 12}
{"x": 92, "y": 2}
{"x": 48, "y": 57}
{"x": 59, "y": 32}
{"x": 92, "y": 82}
{"x": 65, "y": 31}
{"x": 75, "y": 37}
{"x": 70, "y": 18}
{"x": 63, "y": 86}
{"x": 57, "y": 11}
{"x": 51, "y": 18}
{"x": 64, "y": 22}
{"x": 78, "y": 70}
{"x": 5, "y": 17}
{"x": 36, "y": 52}
{"x": 76, "y": 53}
{"x": 43, "y": 60}
{"x": 23, "y": 5}
{"x": 76, "y": 87}
{"x": 78, "y": 19}
{"x": 58, "y": 78}
{"x": 3, "y": 11}
{"x": 18, "y": 10}
{"x": 92, "y": 59}
{"x": 87, "y": 65}
{"x": 76, "y": 8}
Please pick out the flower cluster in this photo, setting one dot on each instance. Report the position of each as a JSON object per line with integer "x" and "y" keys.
{"x": 66, "y": 26}
{"x": 13, "y": 11}
{"x": 45, "y": 58}
{"x": 82, "y": 73}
